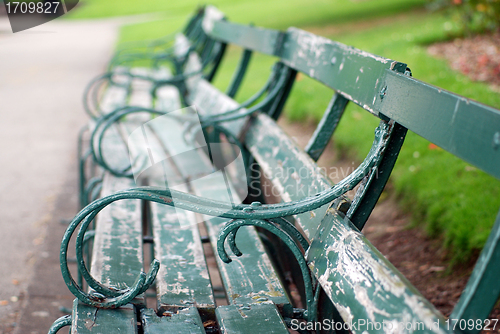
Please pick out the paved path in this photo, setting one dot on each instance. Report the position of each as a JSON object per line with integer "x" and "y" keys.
{"x": 42, "y": 75}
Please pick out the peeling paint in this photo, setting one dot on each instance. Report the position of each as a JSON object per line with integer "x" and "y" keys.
{"x": 351, "y": 271}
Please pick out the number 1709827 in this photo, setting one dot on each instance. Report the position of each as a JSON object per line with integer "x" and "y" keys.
{"x": 462, "y": 324}
{"x": 32, "y": 7}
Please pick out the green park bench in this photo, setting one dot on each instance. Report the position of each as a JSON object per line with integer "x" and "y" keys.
{"x": 193, "y": 160}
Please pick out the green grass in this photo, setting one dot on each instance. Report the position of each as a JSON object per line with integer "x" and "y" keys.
{"x": 269, "y": 13}
{"x": 445, "y": 195}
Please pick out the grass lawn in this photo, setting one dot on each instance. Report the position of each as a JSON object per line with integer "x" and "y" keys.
{"x": 446, "y": 196}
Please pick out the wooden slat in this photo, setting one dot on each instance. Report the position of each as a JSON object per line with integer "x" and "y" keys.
{"x": 251, "y": 276}
{"x": 255, "y": 318}
{"x": 117, "y": 259}
{"x": 467, "y": 129}
{"x": 293, "y": 174}
{"x": 482, "y": 290}
{"x": 170, "y": 132}
{"x": 252, "y": 38}
{"x": 210, "y": 16}
{"x": 363, "y": 285}
{"x": 185, "y": 321}
{"x": 354, "y": 73}
{"x": 463, "y": 127}
{"x": 90, "y": 320}
{"x": 183, "y": 278}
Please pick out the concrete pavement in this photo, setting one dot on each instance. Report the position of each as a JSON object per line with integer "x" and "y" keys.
{"x": 43, "y": 72}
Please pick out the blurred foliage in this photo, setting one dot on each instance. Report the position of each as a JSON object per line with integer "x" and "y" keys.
{"x": 473, "y": 15}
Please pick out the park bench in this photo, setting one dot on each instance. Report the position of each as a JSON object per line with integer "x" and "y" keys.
{"x": 310, "y": 241}
{"x": 125, "y": 85}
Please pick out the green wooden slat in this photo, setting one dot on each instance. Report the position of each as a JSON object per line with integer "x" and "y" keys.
{"x": 251, "y": 277}
{"x": 186, "y": 321}
{"x": 293, "y": 174}
{"x": 461, "y": 126}
{"x": 207, "y": 99}
{"x": 248, "y": 37}
{"x": 210, "y": 16}
{"x": 255, "y": 318}
{"x": 90, "y": 320}
{"x": 354, "y": 73}
{"x": 117, "y": 258}
{"x": 115, "y": 95}
{"x": 363, "y": 285}
{"x": 482, "y": 290}
{"x": 183, "y": 278}
{"x": 210, "y": 101}
{"x": 171, "y": 134}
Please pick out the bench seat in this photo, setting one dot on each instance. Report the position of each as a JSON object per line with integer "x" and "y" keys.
{"x": 309, "y": 240}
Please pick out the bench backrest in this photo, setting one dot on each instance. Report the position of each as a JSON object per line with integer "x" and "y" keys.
{"x": 360, "y": 282}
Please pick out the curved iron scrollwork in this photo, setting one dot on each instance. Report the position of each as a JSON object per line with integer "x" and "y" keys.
{"x": 268, "y": 216}
{"x": 121, "y": 78}
{"x": 292, "y": 238}
{"x": 62, "y": 322}
{"x": 105, "y": 122}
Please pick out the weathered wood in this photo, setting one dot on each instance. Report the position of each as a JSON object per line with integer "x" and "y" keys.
{"x": 326, "y": 127}
{"x": 256, "y": 39}
{"x": 356, "y": 74}
{"x": 185, "y": 321}
{"x": 482, "y": 290}
{"x": 183, "y": 279}
{"x": 465, "y": 128}
{"x": 293, "y": 174}
{"x": 117, "y": 258}
{"x": 250, "y": 277}
{"x": 255, "y": 318}
{"x": 90, "y": 320}
{"x": 239, "y": 73}
{"x": 364, "y": 286}
{"x": 116, "y": 261}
